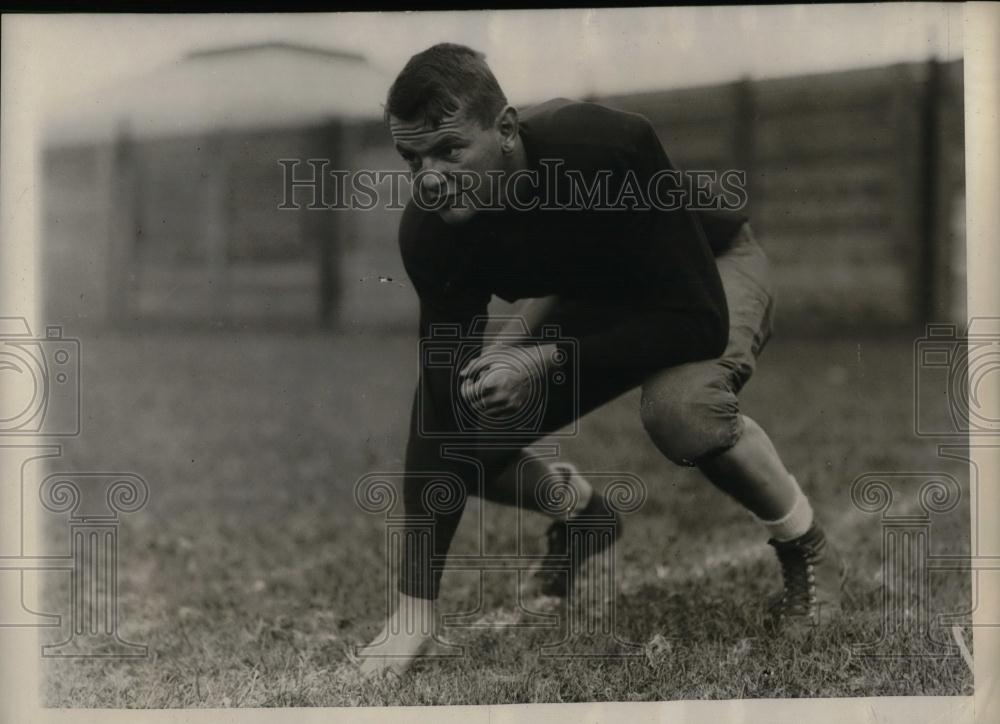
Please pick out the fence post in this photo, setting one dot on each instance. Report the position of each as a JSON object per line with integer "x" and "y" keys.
{"x": 332, "y": 228}
{"x": 215, "y": 225}
{"x": 947, "y": 267}
{"x": 929, "y": 291}
{"x": 745, "y": 133}
{"x": 126, "y": 223}
{"x": 908, "y": 235}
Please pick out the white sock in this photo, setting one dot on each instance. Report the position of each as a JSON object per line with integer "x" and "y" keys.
{"x": 579, "y": 483}
{"x": 796, "y": 522}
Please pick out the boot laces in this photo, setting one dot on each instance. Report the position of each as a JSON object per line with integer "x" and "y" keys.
{"x": 798, "y": 571}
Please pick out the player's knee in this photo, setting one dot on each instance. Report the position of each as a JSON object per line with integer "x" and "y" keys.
{"x": 688, "y": 427}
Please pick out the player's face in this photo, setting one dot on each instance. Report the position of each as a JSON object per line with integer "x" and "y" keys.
{"x": 456, "y": 148}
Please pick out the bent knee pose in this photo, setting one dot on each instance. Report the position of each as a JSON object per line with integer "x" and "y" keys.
{"x": 573, "y": 206}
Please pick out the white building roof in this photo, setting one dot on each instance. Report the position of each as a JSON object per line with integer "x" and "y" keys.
{"x": 263, "y": 85}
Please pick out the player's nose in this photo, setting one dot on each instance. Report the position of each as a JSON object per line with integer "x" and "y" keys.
{"x": 432, "y": 181}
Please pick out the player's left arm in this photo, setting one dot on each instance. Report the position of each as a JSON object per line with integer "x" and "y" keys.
{"x": 681, "y": 315}
{"x": 504, "y": 389}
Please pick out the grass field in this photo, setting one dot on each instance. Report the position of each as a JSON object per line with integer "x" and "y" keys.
{"x": 251, "y": 572}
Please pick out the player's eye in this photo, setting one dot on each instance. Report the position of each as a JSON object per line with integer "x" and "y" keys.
{"x": 451, "y": 153}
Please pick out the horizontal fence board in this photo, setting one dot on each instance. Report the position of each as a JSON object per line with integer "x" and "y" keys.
{"x": 865, "y": 245}
{"x": 238, "y": 308}
{"x": 236, "y": 292}
{"x": 697, "y": 147}
{"x": 860, "y": 174}
{"x": 817, "y": 211}
{"x": 294, "y": 275}
{"x": 831, "y": 91}
{"x": 844, "y": 293}
{"x": 822, "y": 135}
{"x": 701, "y": 104}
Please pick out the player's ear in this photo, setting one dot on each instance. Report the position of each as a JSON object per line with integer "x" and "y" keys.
{"x": 506, "y": 126}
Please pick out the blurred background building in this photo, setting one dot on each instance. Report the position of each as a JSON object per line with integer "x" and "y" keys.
{"x": 161, "y": 201}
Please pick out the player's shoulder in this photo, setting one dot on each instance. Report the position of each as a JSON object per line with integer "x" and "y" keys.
{"x": 563, "y": 123}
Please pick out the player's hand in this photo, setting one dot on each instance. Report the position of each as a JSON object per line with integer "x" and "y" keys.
{"x": 499, "y": 381}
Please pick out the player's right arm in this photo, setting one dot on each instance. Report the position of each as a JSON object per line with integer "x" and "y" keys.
{"x": 531, "y": 316}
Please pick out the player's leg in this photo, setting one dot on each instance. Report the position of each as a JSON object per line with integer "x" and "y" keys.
{"x": 752, "y": 472}
{"x": 529, "y": 480}
{"x": 407, "y": 634}
{"x": 556, "y": 488}
{"x": 497, "y": 471}
{"x": 540, "y": 484}
{"x": 409, "y": 629}
{"x": 692, "y": 414}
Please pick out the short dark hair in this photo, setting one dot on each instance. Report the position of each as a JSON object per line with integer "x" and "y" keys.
{"x": 442, "y": 80}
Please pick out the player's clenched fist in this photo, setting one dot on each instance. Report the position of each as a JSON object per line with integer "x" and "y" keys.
{"x": 499, "y": 382}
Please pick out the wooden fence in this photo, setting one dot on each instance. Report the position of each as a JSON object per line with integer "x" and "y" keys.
{"x": 854, "y": 183}
{"x": 855, "y": 180}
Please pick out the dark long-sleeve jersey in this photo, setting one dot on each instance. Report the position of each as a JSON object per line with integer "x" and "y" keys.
{"x": 656, "y": 266}
{"x": 662, "y": 262}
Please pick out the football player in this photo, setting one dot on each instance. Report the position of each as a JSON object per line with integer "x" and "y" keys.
{"x": 571, "y": 206}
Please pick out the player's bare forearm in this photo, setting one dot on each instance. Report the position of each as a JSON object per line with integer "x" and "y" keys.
{"x": 506, "y": 390}
{"x": 533, "y": 314}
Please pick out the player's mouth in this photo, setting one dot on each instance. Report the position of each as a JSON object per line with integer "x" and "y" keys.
{"x": 444, "y": 200}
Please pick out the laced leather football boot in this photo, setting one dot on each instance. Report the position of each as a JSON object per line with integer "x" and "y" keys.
{"x": 571, "y": 542}
{"x": 813, "y": 572}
